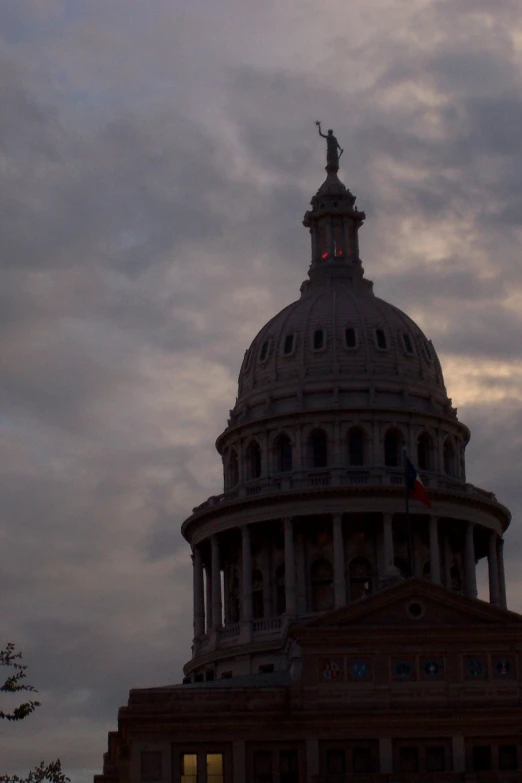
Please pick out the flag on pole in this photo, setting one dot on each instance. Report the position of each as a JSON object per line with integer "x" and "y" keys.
{"x": 414, "y": 485}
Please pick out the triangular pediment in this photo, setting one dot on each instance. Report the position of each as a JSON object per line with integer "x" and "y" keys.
{"x": 415, "y": 602}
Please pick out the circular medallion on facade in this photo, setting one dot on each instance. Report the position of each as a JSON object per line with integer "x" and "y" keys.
{"x": 360, "y": 670}
{"x": 475, "y": 667}
{"x": 431, "y": 668}
{"x": 331, "y": 671}
{"x": 403, "y": 669}
{"x": 503, "y": 667}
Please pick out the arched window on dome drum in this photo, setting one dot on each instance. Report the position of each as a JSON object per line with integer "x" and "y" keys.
{"x": 318, "y": 340}
{"x": 283, "y": 454}
{"x": 356, "y": 443}
{"x": 424, "y": 452}
{"x": 318, "y": 449}
{"x": 456, "y": 579}
{"x": 253, "y": 460}
{"x": 257, "y": 595}
{"x": 360, "y": 574}
{"x": 393, "y": 449}
{"x": 449, "y": 458}
{"x": 288, "y": 345}
{"x": 350, "y": 337}
{"x": 280, "y": 589}
{"x": 233, "y": 469}
{"x": 403, "y": 566}
{"x": 321, "y": 578}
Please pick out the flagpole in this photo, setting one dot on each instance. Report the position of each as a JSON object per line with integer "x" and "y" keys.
{"x": 408, "y": 519}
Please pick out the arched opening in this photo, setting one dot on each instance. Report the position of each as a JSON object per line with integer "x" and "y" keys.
{"x": 449, "y": 457}
{"x": 356, "y": 444}
{"x": 233, "y": 469}
{"x": 257, "y": 595}
{"x": 393, "y": 449}
{"x": 456, "y": 579}
{"x": 253, "y": 460}
{"x": 318, "y": 449}
{"x": 403, "y": 567}
{"x": 280, "y": 589}
{"x": 425, "y": 452}
{"x": 321, "y": 578}
{"x": 360, "y": 574}
{"x": 283, "y": 454}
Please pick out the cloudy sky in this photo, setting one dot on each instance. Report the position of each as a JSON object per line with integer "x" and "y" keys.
{"x": 156, "y": 159}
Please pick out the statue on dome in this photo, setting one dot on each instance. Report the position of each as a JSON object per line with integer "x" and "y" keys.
{"x": 333, "y": 149}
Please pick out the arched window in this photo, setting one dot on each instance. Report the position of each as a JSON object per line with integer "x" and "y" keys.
{"x": 257, "y": 595}
{"x": 318, "y": 449}
{"x": 403, "y": 566}
{"x": 456, "y": 579}
{"x": 360, "y": 578}
{"x": 424, "y": 452}
{"x": 283, "y": 454}
{"x": 392, "y": 449}
{"x": 253, "y": 460}
{"x": 233, "y": 469}
{"x": 449, "y": 458}
{"x": 356, "y": 446}
{"x": 322, "y": 586}
{"x": 280, "y": 589}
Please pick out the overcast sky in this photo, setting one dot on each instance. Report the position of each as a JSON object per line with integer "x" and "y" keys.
{"x": 156, "y": 160}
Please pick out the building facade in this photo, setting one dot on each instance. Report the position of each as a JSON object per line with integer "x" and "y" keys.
{"x": 337, "y": 636}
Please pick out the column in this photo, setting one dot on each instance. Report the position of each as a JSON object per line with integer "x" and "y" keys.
{"x": 470, "y": 574}
{"x": 238, "y": 761}
{"x": 246, "y": 570}
{"x": 312, "y": 759}
{"x": 389, "y": 559}
{"x": 501, "y": 572}
{"x": 385, "y": 755}
{"x": 216, "y": 584}
{"x": 289, "y": 566}
{"x": 458, "y": 753}
{"x": 434, "y": 551}
{"x": 208, "y": 597}
{"x": 338, "y": 552}
{"x": 199, "y": 595}
{"x": 494, "y": 592}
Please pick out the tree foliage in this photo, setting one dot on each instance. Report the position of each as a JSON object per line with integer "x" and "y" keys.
{"x": 14, "y": 683}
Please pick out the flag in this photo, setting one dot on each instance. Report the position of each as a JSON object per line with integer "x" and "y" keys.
{"x": 414, "y": 484}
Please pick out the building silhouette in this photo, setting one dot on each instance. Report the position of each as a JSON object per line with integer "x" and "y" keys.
{"x": 336, "y": 636}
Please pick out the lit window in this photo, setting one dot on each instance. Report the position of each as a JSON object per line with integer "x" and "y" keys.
{"x": 289, "y": 344}
{"x": 189, "y": 768}
{"x": 214, "y": 768}
{"x": 408, "y": 345}
{"x": 318, "y": 339}
{"x": 350, "y": 337}
{"x": 150, "y": 766}
{"x": 380, "y": 337}
{"x": 264, "y": 351}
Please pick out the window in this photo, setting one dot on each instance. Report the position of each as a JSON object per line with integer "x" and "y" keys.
{"x": 318, "y": 340}
{"x": 280, "y": 590}
{"x": 507, "y": 757}
{"x": 288, "y": 345}
{"x": 380, "y": 339}
{"x": 226, "y": 675}
{"x": 209, "y": 675}
{"x": 424, "y": 451}
{"x": 362, "y": 760}
{"x": 265, "y": 668}
{"x": 263, "y": 766}
{"x": 403, "y": 566}
{"x": 360, "y": 578}
{"x": 356, "y": 447}
{"x": 264, "y": 351}
{"x": 407, "y": 342}
{"x": 408, "y": 759}
{"x": 189, "y": 768}
{"x": 319, "y": 449}
{"x": 392, "y": 448}
{"x": 350, "y": 337}
{"x": 283, "y": 454}
{"x": 253, "y": 460}
{"x": 322, "y": 586}
{"x": 288, "y": 766}
{"x": 435, "y": 759}
{"x": 336, "y": 762}
{"x": 214, "y": 768}
{"x": 151, "y": 766}
{"x": 257, "y": 595}
{"x": 481, "y": 758}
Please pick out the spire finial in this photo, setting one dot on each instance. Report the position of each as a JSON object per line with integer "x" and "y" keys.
{"x": 333, "y": 149}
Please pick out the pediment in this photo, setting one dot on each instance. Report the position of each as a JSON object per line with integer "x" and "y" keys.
{"x": 414, "y": 603}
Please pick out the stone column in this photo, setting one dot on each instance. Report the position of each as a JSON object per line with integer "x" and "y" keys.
{"x": 289, "y": 566}
{"x": 385, "y": 755}
{"x": 501, "y": 573}
{"x": 434, "y": 551}
{"x": 494, "y": 591}
{"x": 312, "y": 759}
{"x": 387, "y": 540}
{"x": 238, "y": 761}
{"x": 216, "y": 584}
{"x": 208, "y": 597}
{"x": 199, "y": 594}
{"x": 470, "y": 574}
{"x": 459, "y": 753}
{"x": 246, "y": 571}
{"x": 338, "y": 552}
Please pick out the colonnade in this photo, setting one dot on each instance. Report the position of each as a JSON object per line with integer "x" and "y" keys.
{"x": 208, "y": 608}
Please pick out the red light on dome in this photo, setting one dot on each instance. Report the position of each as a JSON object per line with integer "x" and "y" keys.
{"x": 340, "y": 253}
{"x": 324, "y": 255}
